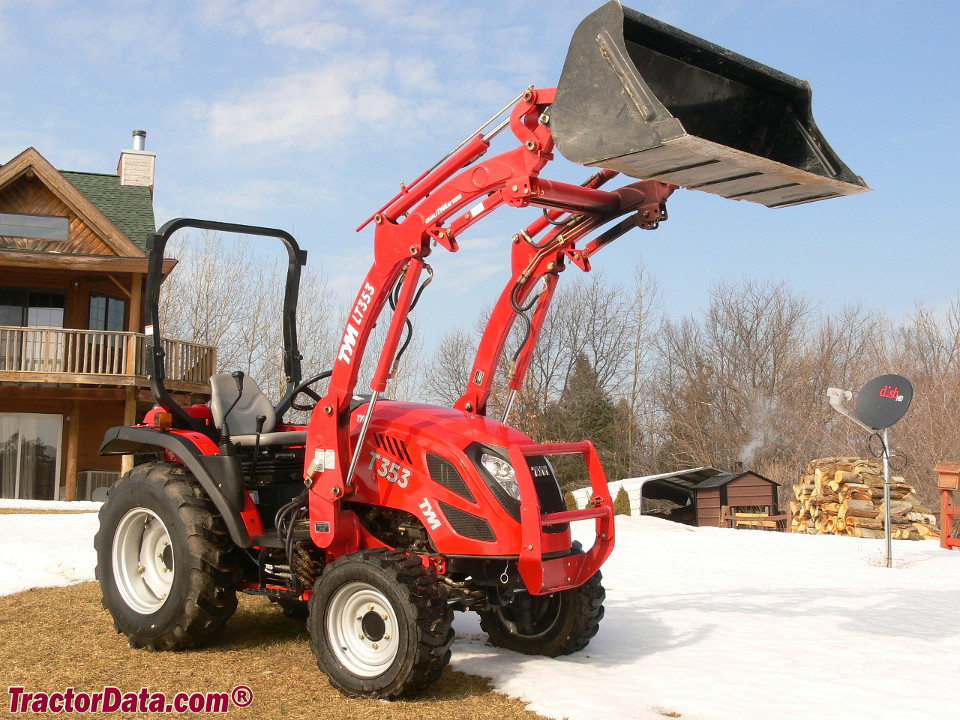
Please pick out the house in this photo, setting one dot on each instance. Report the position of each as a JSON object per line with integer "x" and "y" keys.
{"x": 697, "y": 494}
{"x": 73, "y": 261}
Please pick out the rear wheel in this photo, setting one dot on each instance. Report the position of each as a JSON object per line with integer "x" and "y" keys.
{"x": 165, "y": 561}
{"x": 559, "y": 623}
{"x": 380, "y": 625}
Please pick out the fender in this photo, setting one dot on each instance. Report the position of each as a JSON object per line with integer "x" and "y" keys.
{"x": 219, "y": 475}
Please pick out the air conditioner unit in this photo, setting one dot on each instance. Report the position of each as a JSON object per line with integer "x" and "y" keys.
{"x": 88, "y": 481}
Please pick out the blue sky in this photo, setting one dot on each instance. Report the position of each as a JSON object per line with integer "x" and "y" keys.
{"x": 308, "y": 115}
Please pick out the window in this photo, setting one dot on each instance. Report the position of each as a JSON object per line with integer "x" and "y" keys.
{"x": 107, "y": 313}
{"x": 30, "y": 456}
{"x": 38, "y": 227}
{"x": 31, "y": 350}
{"x": 23, "y": 307}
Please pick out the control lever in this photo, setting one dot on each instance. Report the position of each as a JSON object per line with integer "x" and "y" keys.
{"x": 261, "y": 419}
{"x": 226, "y": 447}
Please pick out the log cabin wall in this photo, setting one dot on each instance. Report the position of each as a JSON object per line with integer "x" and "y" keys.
{"x": 79, "y": 287}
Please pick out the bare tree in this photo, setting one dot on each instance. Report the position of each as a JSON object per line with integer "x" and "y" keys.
{"x": 926, "y": 350}
{"x": 226, "y": 294}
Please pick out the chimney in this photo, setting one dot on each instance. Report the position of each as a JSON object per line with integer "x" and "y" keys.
{"x": 136, "y": 166}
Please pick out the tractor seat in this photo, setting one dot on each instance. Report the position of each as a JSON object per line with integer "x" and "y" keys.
{"x": 242, "y": 419}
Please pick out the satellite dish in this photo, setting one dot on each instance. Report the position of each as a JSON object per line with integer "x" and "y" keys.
{"x": 884, "y": 400}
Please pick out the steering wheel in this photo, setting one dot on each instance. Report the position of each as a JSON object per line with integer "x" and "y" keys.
{"x": 305, "y": 389}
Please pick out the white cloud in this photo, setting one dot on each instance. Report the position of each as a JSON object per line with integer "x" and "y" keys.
{"x": 321, "y": 108}
{"x": 142, "y": 37}
{"x": 311, "y": 109}
{"x": 307, "y": 36}
{"x": 294, "y": 24}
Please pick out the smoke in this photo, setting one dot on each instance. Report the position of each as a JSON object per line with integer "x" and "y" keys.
{"x": 760, "y": 420}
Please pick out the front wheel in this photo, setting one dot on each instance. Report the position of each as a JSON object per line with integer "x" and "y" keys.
{"x": 559, "y": 623}
{"x": 380, "y": 625}
{"x": 165, "y": 561}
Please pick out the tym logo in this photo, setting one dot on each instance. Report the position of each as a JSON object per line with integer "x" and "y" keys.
{"x": 443, "y": 208}
{"x": 348, "y": 344}
{"x": 430, "y": 515}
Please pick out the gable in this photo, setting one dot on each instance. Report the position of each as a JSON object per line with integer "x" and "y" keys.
{"x": 30, "y": 196}
{"x": 30, "y": 185}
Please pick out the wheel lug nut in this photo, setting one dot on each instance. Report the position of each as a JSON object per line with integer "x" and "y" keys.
{"x": 375, "y": 646}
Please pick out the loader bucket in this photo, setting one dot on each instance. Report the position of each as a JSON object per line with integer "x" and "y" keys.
{"x": 646, "y": 99}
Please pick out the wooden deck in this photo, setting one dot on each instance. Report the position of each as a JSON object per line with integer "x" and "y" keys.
{"x": 93, "y": 357}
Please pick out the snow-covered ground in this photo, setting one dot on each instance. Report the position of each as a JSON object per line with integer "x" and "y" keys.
{"x": 701, "y": 623}
{"x": 40, "y": 550}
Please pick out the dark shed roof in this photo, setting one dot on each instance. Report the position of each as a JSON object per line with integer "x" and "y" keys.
{"x": 677, "y": 487}
{"x": 680, "y": 486}
{"x": 726, "y": 477}
{"x": 130, "y": 207}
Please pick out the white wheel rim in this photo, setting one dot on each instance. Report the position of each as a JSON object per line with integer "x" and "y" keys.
{"x": 362, "y": 629}
{"x": 143, "y": 565}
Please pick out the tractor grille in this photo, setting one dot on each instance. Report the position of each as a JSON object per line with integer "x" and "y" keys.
{"x": 548, "y": 491}
{"x": 397, "y": 448}
{"x": 445, "y": 472}
{"x": 467, "y": 524}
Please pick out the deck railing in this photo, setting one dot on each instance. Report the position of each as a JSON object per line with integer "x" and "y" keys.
{"x": 51, "y": 354}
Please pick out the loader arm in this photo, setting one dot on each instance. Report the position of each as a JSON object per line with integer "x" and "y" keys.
{"x": 404, "y": 231}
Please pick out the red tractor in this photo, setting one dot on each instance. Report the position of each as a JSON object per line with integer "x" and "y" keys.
{"x": 378, "y": 519}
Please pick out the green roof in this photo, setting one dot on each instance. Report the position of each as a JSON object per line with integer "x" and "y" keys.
{"x": 130, "y": 207}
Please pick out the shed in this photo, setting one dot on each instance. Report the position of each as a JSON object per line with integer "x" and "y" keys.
{"x": 700, "y": 493}
{"x": 744, "y": 490}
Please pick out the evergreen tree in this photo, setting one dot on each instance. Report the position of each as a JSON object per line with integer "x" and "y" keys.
{"x": 621, "y": 504}
{"x": 586, "y": 412}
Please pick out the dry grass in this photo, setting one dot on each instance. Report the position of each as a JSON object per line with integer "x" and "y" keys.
{"x": 54, "y": 638}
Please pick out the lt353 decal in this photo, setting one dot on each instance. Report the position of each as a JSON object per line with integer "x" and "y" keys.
{"x": 386, "y": 468}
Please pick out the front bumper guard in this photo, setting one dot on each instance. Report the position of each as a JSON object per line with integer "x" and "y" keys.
{"x": 542, "y": 575}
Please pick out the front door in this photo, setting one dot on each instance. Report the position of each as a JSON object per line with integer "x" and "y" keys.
{"x": 30, "y": 456}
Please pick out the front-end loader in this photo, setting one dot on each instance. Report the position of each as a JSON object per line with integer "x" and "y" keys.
{"x": 378, "y": 519}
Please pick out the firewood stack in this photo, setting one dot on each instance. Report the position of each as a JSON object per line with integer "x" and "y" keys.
{"x": 844, "y": 496}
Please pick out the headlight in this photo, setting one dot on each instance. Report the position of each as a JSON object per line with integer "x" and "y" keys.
{"x": 502, "y": 472}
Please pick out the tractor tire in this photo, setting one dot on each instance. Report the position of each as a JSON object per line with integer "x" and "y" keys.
{"x": 556, "y": 624}
{"x": 380, "y": 625}
{"x": 165, "y": 561}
